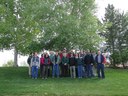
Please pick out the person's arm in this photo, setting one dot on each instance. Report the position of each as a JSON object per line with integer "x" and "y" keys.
{"x": 58, "y": 60}
{"x": 31, "y": 62}
{"x": 39, "y": 63}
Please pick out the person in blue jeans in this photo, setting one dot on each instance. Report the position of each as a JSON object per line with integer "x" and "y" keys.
{"x": 88, "y": 60}
{"x": 100, "y": 66}
{"x": 35, "y": 63}
{"x": 79, "y": 62}
{"x": 57, "y": 60}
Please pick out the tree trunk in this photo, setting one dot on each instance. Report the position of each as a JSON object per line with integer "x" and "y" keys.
{"x": 15, "y": 57}
{"x": 123, "y": 65}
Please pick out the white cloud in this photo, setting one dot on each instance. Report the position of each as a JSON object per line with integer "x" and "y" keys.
{"x": 118, "y": 4}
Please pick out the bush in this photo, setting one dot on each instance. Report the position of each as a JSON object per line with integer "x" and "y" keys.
{"x": 10, "y": 63}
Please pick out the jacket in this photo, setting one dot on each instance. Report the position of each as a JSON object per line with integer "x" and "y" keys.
{"x": 65, "y": 60}
{"x": 88, "y": 59}
{"x": 42, "y": 61}
{"x": 79, "y": 61}
{"x": 35, "y": 61}
{"x": 72, "y": 61}
{"x": 46, "y": 60}
{"x": 102, "y": 59}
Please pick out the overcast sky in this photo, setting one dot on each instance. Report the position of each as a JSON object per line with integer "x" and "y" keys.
{"x": 101, "y": 4}
{"x": 118, "y": 4}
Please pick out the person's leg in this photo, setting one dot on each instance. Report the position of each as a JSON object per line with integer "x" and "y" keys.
{"x": 71, "y": 71}
{"x": 90, "y": 71}
{"x": 78, "y": 68}
{"x": 36, "y": 72}
{"x": 87, "y": 68}
{"x": 29, "y": 70}
{"x": 57, "y": 70}
{"x": 92, "y": 74}
{"x": 74, "y": 71}
{"x": 49, "y": 71}
{"x": 102, "y": 71}
{"x": 43, "y": 74}
{"x": 46, "y": 67}
{"x": 80, "y": 71}
{"x": 53, "y": 70}
{"x": 66, "y": 71}
{"x": 32, "y": 71}
{"x": 98, "y": 70}
{"x": 41, "y": 69}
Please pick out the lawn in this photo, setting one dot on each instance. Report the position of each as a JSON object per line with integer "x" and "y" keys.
{"x": 15, "y": 82}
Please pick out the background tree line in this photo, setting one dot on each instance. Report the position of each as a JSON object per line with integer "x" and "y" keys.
{"x": 116, "y": 34}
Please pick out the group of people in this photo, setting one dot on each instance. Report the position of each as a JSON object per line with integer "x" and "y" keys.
{"x": 63, "y": 64}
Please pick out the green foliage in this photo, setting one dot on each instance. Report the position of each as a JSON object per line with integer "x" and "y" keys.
{"x": 115, "y": 34}
{"x": 66, "y": 24}
{"x": 116, "y": 57}
{"x": 9, "y": 64}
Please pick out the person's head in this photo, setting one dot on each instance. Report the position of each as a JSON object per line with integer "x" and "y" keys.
{"x": 42, "y": 55}
{"x": 46, "y": 55}
{"x": 31, "y": 54}
{"x": 64, "y": 54}
{"x": 77, "y": 55}
{"x": 51, "y": 52}
{"x": 99, "y": 52}
{"x": 88, "y": 51}
{"x": 72, "y": 54}
{"x": 35, "y": 54}
{"x": 57, "y": 53}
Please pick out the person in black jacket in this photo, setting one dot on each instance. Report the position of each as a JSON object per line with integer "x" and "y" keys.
{"x": 29, "y": 64}
{"x": 88, "y": 60}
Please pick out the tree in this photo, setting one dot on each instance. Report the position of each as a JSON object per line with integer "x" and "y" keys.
{"x": 69, "y": 23}
{"x": 116, "y": 33}
{"x": 17, "y": 29}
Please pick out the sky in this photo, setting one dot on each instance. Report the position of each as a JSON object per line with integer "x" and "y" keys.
{"x": 101, "y": 4}
{"x": 118, "y": 4}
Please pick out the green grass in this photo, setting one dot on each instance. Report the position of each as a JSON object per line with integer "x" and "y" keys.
{"x": 15, "y": 82}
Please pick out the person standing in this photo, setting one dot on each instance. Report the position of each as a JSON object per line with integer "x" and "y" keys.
{"x": 47, "y": 64}
{"x": 52, "y": 59}
{"x": 88, "y": 60}
{"x": 29, "y": 64}
{"x": 56, "y": 70}
{"x": 72, "y": 64}
{"x": 100, "y": 66}
{"x": 79, "y": 62}
{"x": 35, "y": 63}
{"x": 42, "y": 65}
{"x": 65, "y": 62}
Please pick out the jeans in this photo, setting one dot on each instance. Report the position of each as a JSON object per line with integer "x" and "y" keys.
{"x": 34, "y": 71}
{"x": 80, "y": 71}
{"x": 55, "y": 70}
{"x": 89, "y": 70}
{"x": 100, "y": 69}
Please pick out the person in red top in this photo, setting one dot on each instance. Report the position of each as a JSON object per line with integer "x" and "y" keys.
{"x": 41, "y": 65}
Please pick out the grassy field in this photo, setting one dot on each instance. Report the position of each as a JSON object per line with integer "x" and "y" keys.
{"x": 15, "y": 82}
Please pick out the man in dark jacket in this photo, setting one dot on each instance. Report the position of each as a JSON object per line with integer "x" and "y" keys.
{"x": 100, "y": 66}
{"x": 88, "y": 60}
{"x": 29, "y": 64}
